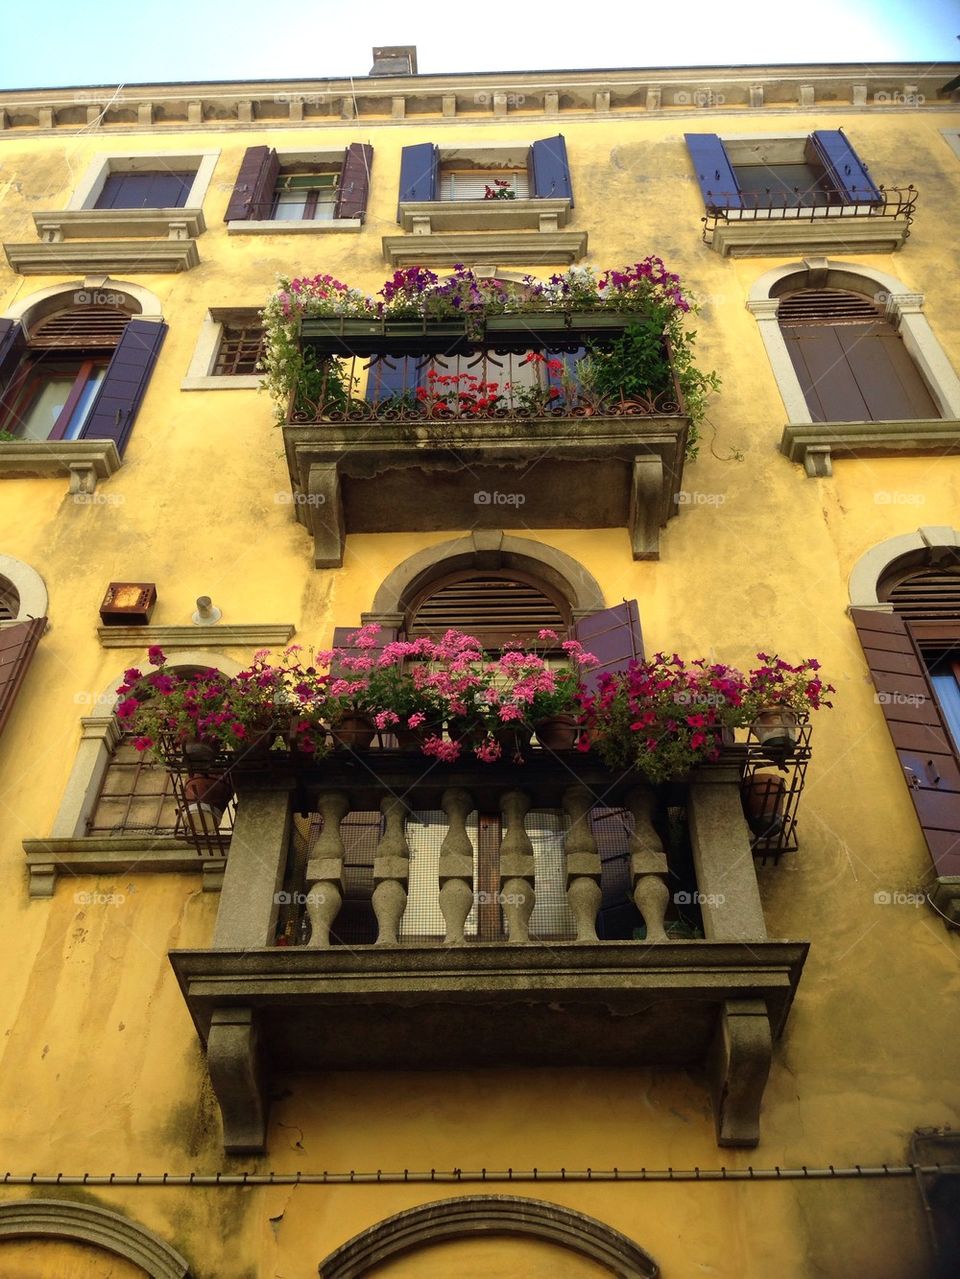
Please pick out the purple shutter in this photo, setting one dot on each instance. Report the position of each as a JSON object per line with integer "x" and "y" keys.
{"x": 845, "y": 169}
{"x": 354, "y": 181}
{"x": 13, "y": 343}
{"x": 613, "y": 637}
{"x": 550, "y": 170}
{"x": 419, "y": 173}
{"x": 148, "y": 190}
{"x": 391, "y": 376}
{"x": 18, "y": 644}
{"x": 920, "y": 738}
{"x": 255, "y": 182}
{"x": 718, "y": 182}
{"x": 125, "y": 384}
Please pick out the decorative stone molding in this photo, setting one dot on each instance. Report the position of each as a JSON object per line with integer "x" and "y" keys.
{"x": 757, "y": 237}
{"x": 816, "y": 444}
{"x": 33, "y": 306}
{"x": 88, "y": 189}
{"x": 594, "y": 472}
{"x": 116, "y": 855}
{"x": 93, "y": 224}
{"x": 275, "y": 105}
{"x": 200, "y": 374}
{"x": 423, "y": 217}
{"x": 487, "y": 1216}
{"x": 928, "y": 545}
{"x": 84, "y": 461}
{"x": 493, "y": 549}
{"x": 234, "y": 634}
{"x": 529, "y": 248}
{"x": 160, "y": 256}
{"x": 30, "y": 588}
{"x": 83, "y": 1223}
{"x": 903, "y": 308}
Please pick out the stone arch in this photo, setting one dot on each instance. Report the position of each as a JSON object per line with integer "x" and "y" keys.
{"x": 488, "y": 1215}
{"x": 29, "y": 585}
{"x": 929, "y": 545}
{"x": 485, "y": 550}
{"x": 145, "y": 304}
{"x": 99, "y": 736}
{"x": 903, "y": 307}
{"x": 83, "y": 1223}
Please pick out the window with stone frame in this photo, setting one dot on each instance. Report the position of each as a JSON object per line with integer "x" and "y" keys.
{"x": 240, "y": 349}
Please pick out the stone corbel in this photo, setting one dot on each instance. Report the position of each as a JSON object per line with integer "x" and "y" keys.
{"x": 738, "y": 1067}
{"x": 817, "y": 461}
{"x": 646, "y": 497}
{"x": 83, "y": 477}
{"x": 324, "y": 514}
{"x": 233, "y": 1060}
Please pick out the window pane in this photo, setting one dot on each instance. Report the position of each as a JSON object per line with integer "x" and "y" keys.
{"x": 290, "y": 206}
{"x": 45, "y": 407}
{"x": 783, "y": 186}
{"x": 151, "y": 189}
{"x": 84, "y": 404}
{"x": 472, "y": 184}
{"x": 948, "y": 695}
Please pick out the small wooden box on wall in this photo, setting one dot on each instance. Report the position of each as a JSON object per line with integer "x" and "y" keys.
{"x": 128, "y": 603}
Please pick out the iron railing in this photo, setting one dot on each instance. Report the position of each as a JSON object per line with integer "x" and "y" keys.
{"x": 727, "y": 207}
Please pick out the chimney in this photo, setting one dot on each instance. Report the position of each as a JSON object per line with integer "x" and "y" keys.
{"x": 395, "y": 59}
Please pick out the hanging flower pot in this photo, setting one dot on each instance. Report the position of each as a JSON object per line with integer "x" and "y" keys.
{"x": 353, "y": 732}
{"x": 207, "y": 796}
{"x": 557, "y": 733}
{"x": 764, "y": 797}
{"x": 777, "y": 728}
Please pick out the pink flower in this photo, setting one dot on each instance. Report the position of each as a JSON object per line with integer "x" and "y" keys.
{"x": 489, "y": 752}
{"x": 127, "y": 709}
{"x": 155, "y": 655}
{"x": 416, "y": 719}
{"x": 385, "y": 718}
{"x": 446, "y": 752}
{"x": 143, "y": 743}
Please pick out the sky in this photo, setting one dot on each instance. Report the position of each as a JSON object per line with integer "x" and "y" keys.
{"x": 61, "y": 43}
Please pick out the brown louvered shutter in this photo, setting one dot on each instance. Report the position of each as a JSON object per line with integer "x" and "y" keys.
{"x": 84, "y": 327}
{"x": 18, "y": 644}
{"x": 851, "y": 363}
{"x": 919, "y": 734}
{"x": 354, "y": 181}
{"x": 495, "y": 608}
{"x": 927, "y": 595}
{"x": 254, "y": 188}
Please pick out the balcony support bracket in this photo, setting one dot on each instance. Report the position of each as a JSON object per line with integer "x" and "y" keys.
{"x": 646, "y": 499}
{"x": 323, "y": 504}
{"x": 234, "y": 1065}
{"x": 738, "y": 1066}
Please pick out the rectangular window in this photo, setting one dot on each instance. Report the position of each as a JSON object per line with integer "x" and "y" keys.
{"x": 240, "y": 350}
{"x": 146, "y": 189}
{"x": 54, "y": 397}
{"x": 483, "y": 184}
{"x": 305, "y": 197}
{"x": 785, "y": 185}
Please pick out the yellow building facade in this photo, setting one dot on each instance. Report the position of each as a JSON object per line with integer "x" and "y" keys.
{"x": 768, "y": 1072}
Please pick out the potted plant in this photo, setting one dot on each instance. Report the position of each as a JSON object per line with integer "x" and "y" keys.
{"x": 664, "y": 716}
{"x": 764, "y": 796}
{"x": 780, "y": 694}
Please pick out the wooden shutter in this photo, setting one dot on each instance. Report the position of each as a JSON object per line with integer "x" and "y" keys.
{"x": 13, "y": 344}
{"x": 549, "y": 170}
{"x": 844, "y": 167}
{"x": 125, "y": 384}
{"x": 18, "y": 644}
{"x": 613, "y": 636}
{"x": 83, "y": 327}
{"x": 718, "y": 182}
{"x": 419, "y": 173}
{"x": 919, "y": 734}
{"x": 354, "y": 181}
{"x": 252, "y": 195}
{"x": 495, "y": 608}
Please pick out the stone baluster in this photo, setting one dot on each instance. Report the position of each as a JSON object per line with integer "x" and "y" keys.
{"x": 516, "y": 867}
{"x": 391, "y": 871}
{"x": 583, "y": 863}
{"x": 324, "y": 877}
{"x": 648, "y": 864}
{"x": 456, "y": 865}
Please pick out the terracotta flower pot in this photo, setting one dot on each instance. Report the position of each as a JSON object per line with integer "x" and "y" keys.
{"x": 513, "y": 737}
{"x": 207, "y": 796}
{"x": 764, "y": 797}
{"x": 557, "y": 732}
{"x": 776, "y": 728}
{"x": 465, "y": 731}
{"x": 353, "y": 732}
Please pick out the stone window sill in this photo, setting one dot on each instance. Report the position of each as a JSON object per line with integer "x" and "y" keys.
{"x": 772, "y": 237}
{"x": 99, "y": 257}
{"x": 72, "y": 224}
{"x": 240, "y": 382}
{"x": 425, "y": 216}
{"x": 116, "y": 855}
{"x": 528, "y": 248}
{"x": 816, "y": 444}
{"x": 244, "y": 634}
{"x": 84, "y": 461}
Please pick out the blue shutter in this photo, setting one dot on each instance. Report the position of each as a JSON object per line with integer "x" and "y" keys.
{"x": 613, "y": 636}
{"x": 13, "y": 343}
{"x": 844, "y": 167}
{"x": 125, "y": 384}
{"x": 718, "y": 182}
{"x": 389, "y": 377}
{"x": 419, "y": 173}
{"x": 549, "y": 170}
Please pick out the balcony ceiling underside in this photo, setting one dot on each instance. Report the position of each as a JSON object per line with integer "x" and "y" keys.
{"x": 435, "y": 1007}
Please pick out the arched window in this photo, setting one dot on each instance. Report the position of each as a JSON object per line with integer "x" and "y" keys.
{"x": 496, "y": 607}
{"x": 75, "y": 364}
{"x": 850, "y": 360}
{"x": 9, "y": 600}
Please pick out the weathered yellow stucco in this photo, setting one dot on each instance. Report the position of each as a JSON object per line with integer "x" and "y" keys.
{"x": 102, "y": 1070}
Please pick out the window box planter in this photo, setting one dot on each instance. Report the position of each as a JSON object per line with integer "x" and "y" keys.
{"x": 347, "y": 335}
{"x": 521, "y": 331}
